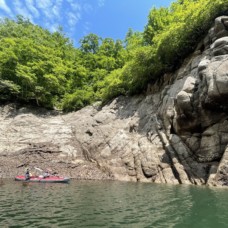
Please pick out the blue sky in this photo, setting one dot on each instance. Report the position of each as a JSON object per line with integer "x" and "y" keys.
{"x": 106, "y": 18}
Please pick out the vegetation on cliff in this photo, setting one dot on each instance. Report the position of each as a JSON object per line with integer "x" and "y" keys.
{"x": 44, "y": 68}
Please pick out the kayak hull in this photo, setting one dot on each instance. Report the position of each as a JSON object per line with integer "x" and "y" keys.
{"x": 51, "y": 179}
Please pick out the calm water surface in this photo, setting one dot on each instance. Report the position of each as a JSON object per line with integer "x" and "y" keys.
{"x": 111, "y": 204}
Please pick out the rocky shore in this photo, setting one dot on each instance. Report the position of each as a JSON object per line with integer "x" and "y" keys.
{"x": 177, "y": 133}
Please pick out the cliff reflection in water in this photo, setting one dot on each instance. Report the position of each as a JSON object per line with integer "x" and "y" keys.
{"x": 110, "y": 204}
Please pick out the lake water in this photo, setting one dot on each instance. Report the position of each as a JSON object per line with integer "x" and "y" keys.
{"x": 111, "y": 204}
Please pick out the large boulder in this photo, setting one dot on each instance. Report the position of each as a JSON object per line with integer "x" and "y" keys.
{"x": 176, "y": 133}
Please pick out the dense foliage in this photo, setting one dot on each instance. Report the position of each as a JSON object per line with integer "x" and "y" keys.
{"x": 45, "y": 69}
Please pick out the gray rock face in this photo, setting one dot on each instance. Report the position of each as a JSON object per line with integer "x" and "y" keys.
{"x": 177, "y": 133}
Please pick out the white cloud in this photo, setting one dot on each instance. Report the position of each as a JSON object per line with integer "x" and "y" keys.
{"x": 73, "y": 18}
{"x": 56, "y": 10}
{"x": 75, "y": 6}
{"x": 53, "y": 13}
{"x": 21, "y": 9}
{"x": 101, "y": 3}
{"x": 5, "y": 7}
{"x": 31, "y": 7}
{"x": 45, "y": 7}
{"x": 53, "y": 27}
{"x": 44, "y": 4}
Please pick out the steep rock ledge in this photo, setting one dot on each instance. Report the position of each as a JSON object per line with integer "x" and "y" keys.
{"x": 178, "y": 133}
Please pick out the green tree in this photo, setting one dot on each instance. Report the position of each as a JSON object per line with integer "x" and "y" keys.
{"x": 90, "y": 43}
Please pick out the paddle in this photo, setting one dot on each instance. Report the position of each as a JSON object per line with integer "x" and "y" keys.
{"x": 49, "y": 172}
{"x": 38, "y": 169}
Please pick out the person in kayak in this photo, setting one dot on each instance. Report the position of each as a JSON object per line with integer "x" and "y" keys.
{"x": 27, "y": 174}
{"x": 46, "y": 173}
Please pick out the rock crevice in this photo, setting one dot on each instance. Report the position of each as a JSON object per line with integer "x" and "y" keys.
{"x": 177, "y": 133}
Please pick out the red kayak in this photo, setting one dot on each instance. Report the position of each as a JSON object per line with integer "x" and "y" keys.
{"x": 50, "y": 179}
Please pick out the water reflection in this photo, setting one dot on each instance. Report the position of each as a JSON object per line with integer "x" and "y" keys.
{"x": 208, "y": 208}
{"x": 110, "y": 204}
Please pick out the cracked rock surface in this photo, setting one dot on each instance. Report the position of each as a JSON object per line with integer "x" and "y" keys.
{"x": 177, "y": 133}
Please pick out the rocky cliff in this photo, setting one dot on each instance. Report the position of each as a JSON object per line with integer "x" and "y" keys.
{"x": 177, "y": 133}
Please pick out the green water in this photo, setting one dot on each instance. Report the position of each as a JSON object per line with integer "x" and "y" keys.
{"x": 111, "y": 204}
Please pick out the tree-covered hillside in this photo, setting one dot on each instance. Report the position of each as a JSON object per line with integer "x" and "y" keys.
{"x": 43, "y": 68}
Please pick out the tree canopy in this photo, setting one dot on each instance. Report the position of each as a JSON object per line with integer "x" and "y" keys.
{"x": 43, "y": 68}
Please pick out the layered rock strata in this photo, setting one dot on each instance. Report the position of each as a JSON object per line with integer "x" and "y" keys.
{"x": 177, "y": 133}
